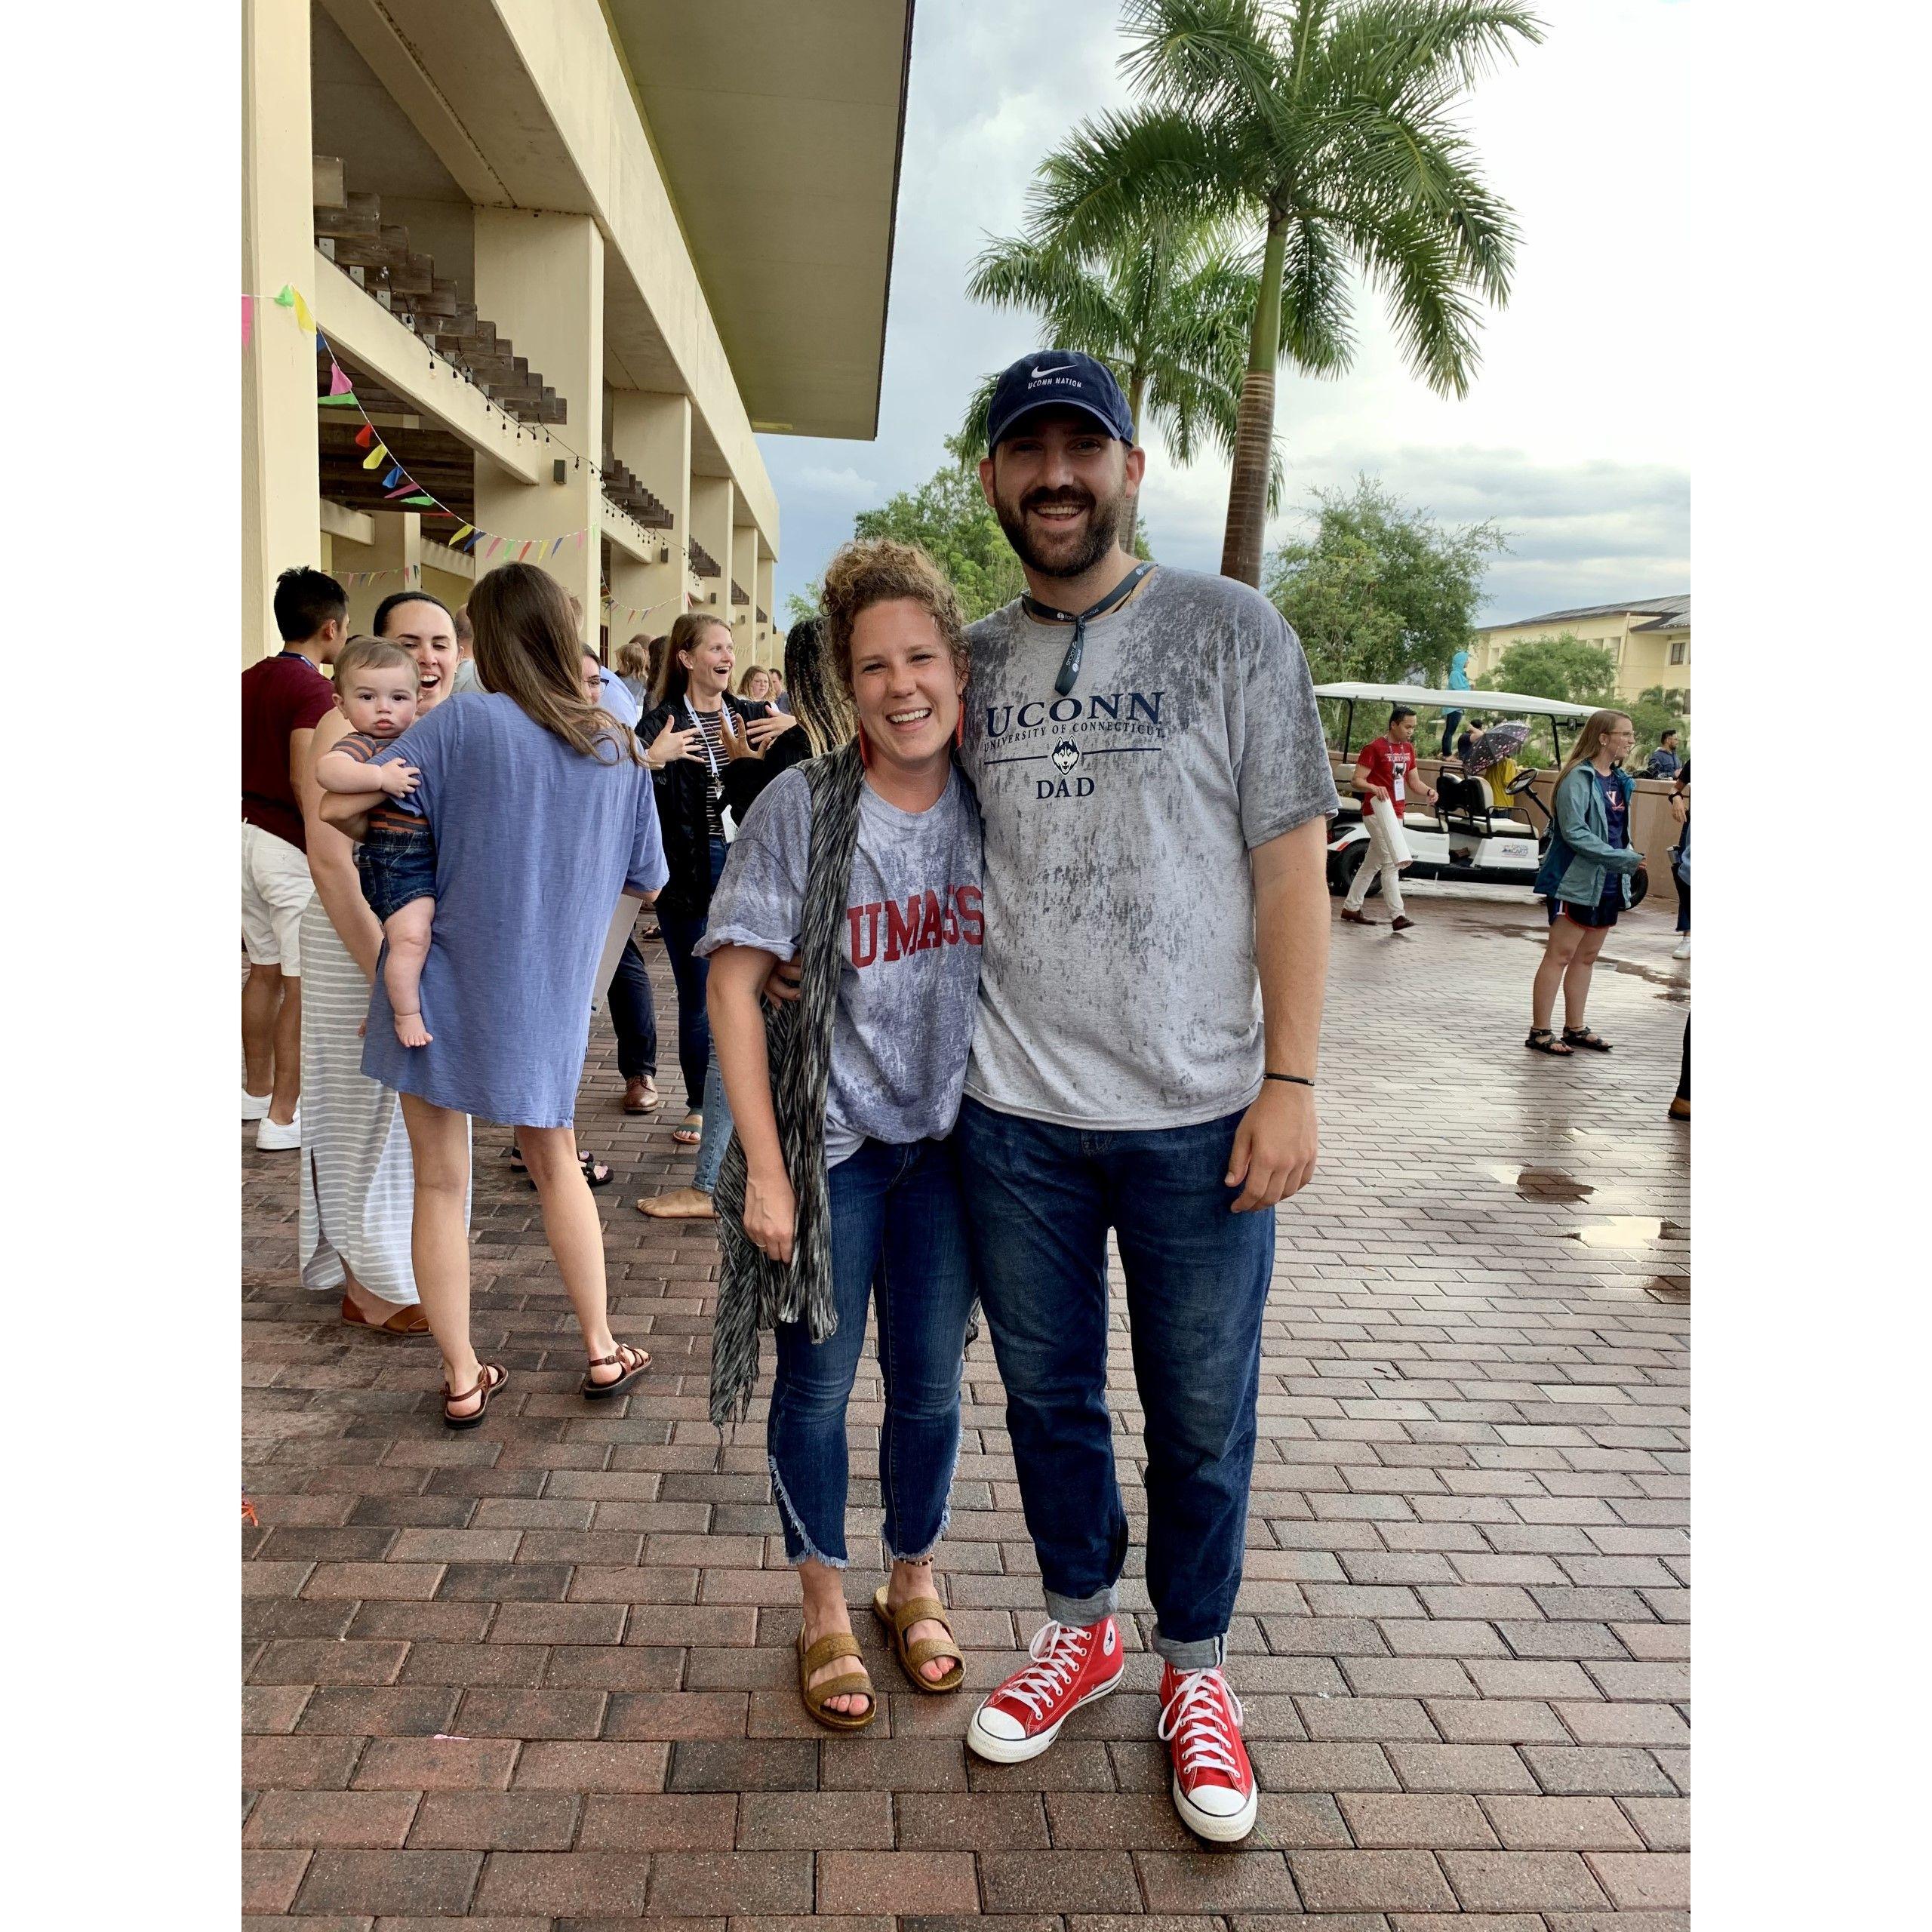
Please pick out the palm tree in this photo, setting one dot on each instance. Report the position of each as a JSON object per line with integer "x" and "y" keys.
{"x": 1328, "y": 127}
{"x": 1167, "y": 308}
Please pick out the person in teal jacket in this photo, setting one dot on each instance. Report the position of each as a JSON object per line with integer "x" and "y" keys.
{"x": 1585, "y": 877}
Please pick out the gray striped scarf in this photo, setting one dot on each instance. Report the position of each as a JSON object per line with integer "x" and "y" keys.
{"x": 755, "y": 1292}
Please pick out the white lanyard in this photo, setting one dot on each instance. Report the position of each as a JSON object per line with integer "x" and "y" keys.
{"x": 726, "y": 822}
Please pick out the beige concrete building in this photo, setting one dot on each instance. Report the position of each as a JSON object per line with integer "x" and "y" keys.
{"x": 1650, "y": 638}
{"x": 568, "y": 255}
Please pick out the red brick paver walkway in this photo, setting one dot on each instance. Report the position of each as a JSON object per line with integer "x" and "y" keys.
{"x": 541, "y": 1675}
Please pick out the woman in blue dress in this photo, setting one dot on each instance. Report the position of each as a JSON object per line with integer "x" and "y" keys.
{"x": 541, "y": 808}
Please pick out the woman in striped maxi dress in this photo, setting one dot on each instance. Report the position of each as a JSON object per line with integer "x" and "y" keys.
{"x": 358, "y": 1184}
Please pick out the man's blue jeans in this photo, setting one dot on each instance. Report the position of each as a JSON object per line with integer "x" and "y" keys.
{"x": 1039, "y": 1201}
{"x": 896, "y": 1238}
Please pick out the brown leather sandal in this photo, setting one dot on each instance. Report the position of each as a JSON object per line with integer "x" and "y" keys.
{"x": 853, "y": 1684}
{"x": 408, "y": 1320}
{"x": 921, "y": 1609}
{"x": 491, "y": 1376}
{"x": 632, "y": 1362}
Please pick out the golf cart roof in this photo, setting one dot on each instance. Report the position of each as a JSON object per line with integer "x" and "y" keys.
{"x": 1489, "y": 703}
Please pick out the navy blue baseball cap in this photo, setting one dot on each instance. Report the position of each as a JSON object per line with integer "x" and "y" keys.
{"x": 1057, "y": 379}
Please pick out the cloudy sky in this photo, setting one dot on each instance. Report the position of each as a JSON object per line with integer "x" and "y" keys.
{"x": 1575, "y": 437}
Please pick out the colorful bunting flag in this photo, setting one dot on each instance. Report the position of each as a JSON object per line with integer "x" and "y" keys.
{"x": 365, "y": 435}
{"x": 375, "y": 456}
{"x": 461, "y": 534}
{"x": 247, "y": 319}
{"x": 286, "y": 299}
{"x": 339, "y": 382}
{"x": 305, "y": 321}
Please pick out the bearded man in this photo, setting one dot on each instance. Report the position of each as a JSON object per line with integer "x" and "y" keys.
{"x": 1154, "y": 789}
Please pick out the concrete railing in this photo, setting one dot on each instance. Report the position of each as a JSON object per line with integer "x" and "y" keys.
{"x": 1652, "y": 830}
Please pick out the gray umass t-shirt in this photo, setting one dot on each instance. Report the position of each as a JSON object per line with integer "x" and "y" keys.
{"x": 909, "y": 984}
{"x": 1118, "y": 989}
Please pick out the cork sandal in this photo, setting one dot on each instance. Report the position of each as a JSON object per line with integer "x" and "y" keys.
{"x": 921, "y": 1609}
{"x": 853, "y": 1684}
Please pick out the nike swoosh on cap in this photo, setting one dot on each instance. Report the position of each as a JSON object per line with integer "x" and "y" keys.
{"x": 1060, "y": 371}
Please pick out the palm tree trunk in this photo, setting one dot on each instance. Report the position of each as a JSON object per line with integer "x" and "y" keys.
{"x": 1254, "y": 422}
{"x": 1136, "y": 397}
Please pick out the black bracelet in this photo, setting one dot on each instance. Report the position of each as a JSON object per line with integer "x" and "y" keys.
{"x": 1293, "y": 1079}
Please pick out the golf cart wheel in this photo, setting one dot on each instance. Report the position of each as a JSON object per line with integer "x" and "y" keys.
{"x": 1343, "y": 867}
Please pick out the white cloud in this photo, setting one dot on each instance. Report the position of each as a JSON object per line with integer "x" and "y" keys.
{"x": 837, "y": 486}
{"x": 1575, "y": 437}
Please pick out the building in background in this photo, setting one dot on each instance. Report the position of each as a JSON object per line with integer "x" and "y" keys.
{"x": 1650, "y": 637}
{"x": 568, "y": 257}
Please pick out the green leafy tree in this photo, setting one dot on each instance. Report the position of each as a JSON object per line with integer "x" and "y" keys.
{"x": 800, "y": 606}
{"x": 1167, "y": 309}
{"x": 1330, "y": 131}
{"x": 1656, "y": 710}
{"x": 948, "y": 517}
{"x": 1380, "y": 591}
{"x": 1563, "y": 667}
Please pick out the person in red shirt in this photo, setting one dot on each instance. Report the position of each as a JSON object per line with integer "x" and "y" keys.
{"x": 1386, "y": 769}
{"x": 283, "y": 699}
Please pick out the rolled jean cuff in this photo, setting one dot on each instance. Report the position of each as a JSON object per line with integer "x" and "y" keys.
{"x": 1078, "y": 1612}
{"x": 1191, "y": 1653}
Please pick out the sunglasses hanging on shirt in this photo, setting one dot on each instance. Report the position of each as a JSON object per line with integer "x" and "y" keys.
{"x": 1069, "y": 667}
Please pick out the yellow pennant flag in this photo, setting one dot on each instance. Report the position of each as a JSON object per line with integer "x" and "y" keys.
{"x": 377, "y": 455}
{"x": 305, "y": 321}
{"x": 461, "y": 534}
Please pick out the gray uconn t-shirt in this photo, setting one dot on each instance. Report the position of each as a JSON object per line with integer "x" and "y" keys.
{"x": 1118, "y": 989}
{"x": 911, "y": 973}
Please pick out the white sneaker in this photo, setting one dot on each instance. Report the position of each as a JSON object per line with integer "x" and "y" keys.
{"x": 272, "y": 1138}
{"x": 254, "y": 1106}
{"x": 1684, "y": 949}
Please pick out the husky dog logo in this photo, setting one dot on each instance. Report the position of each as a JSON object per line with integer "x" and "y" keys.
{"x": 1066, "y": 755}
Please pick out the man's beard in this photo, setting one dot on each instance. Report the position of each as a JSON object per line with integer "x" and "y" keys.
{"x": 1102, "y": 527}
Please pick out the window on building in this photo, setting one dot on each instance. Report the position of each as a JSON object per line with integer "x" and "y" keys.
{"x": 1680, "y": 651}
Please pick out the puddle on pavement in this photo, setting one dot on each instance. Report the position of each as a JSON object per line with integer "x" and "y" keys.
{"x": 1626, "y": 1230}
{"x": 1676, "y": 984}
{"x": 1543, "y": 1184}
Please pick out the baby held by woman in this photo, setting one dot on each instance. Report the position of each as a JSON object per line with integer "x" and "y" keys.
{"x": 375, "y": 689}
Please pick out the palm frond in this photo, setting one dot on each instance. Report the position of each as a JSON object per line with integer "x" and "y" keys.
{"x": 1416, "y": 265}
{"x": 1119, "y": 172}
{"x": 1075, "y": 302}
{"x": 1211, "y": 57}
{"x": 1403, "y": 52}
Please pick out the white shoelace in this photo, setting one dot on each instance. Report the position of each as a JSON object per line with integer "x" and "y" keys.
{"x": 1197, "y": 1710}
{"x": 1059, "y": 1650}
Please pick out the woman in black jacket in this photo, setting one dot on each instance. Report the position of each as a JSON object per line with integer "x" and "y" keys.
{"x": 692, "y": 811}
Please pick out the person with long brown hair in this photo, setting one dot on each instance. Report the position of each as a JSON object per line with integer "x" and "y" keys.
{"x": 1586, "y": 877}
{"x": 697, "y": 697}
{"x": 542, "y": 808}
{"x": 839, "y": 1193}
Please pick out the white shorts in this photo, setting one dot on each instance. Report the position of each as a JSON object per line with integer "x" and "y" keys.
{"x": 276, "y": 891}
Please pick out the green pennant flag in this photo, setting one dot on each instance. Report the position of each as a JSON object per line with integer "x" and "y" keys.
{"x": 345, "y": 401}
{"x": 408, "y": 500}
{"x": 286, "y": 300}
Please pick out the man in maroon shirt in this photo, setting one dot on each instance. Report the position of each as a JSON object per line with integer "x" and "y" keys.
{"x": 1385, "y": 770}
{"x": 283, "y": 699}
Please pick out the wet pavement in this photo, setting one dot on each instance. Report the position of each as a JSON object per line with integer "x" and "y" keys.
{"x": 540, "y": 1676}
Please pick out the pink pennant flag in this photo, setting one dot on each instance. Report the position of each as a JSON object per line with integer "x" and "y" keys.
{"x": 579, "y": 540}
{"x": 339, "y": 382}
{"x": 247, "y": 320}
{"x": 495, "y": 544}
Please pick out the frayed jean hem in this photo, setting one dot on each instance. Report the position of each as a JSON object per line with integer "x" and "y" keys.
{"x": 794, "y": 1529}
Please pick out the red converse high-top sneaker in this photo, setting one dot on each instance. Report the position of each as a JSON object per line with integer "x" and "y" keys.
{"x": 1214, "y": 1783}
{"x": 1072, "y": 1665}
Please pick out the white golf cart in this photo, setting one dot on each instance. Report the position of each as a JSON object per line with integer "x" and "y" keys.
{"x": 1472, "y": 838}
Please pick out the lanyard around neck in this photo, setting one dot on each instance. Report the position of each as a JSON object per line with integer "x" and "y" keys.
{"x": 704, "y": 736}
{"x": 1069, "y": 667}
